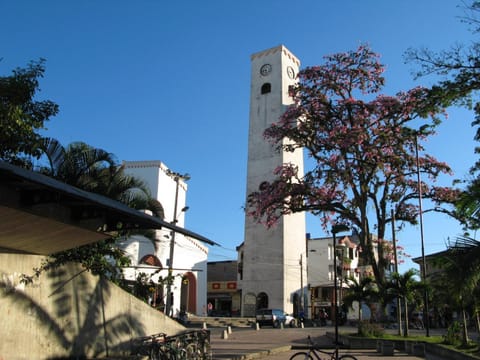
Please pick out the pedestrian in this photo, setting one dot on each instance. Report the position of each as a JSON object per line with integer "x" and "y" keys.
{"x": 301, "y": 316}
{"x": 323, "y": 317}
{"x": 418, "y": 319}
{"x": 210, "y": 308}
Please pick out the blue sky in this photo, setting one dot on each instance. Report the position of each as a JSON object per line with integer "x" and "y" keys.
{"x": 170, "y": 81}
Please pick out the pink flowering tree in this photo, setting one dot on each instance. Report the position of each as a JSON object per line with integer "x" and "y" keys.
{"x": 361, "y": 149}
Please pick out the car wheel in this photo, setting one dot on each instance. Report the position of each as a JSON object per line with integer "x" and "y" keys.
{"x": 276, "y": 324}
{"x": 293, "y": 323}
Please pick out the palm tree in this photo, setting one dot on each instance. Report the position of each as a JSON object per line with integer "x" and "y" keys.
{"x": 363, "y": 291}
{"x": 468, "y": 205}
{"x": 405, "y": 287}
{"x": 97, "y": 171}
{"x": 77, "y": 164}
{"x": 460, "y": 270}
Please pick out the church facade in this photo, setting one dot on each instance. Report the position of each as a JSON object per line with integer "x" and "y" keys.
{"x": 151, "y": 259}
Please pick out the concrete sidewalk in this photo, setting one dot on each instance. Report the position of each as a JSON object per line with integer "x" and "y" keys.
{"x": 247, "y": 343}
{"x": 276, "y": 344}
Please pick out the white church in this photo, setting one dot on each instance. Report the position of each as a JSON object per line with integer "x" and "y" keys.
{"x": 185, "y": 257}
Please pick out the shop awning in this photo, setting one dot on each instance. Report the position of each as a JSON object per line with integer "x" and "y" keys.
{"x": 41, "y": 215}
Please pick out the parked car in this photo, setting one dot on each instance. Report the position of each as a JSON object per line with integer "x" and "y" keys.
{"x": 290, "y": 320}
{"x": 274, "y": 317}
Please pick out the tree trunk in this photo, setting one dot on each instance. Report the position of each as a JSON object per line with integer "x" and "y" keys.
{"x": 477, "y": 318}
{"x": 405, "y": 304}
{"x": 465, "y": 329}
{"x": 359, "y": 316}
{"x": 399, "y": 316}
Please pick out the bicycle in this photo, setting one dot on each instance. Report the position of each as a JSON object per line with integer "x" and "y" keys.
{"x": 316, "y": 351}
{"x": 189, "y": 345}
{"x": 173, "y": 348}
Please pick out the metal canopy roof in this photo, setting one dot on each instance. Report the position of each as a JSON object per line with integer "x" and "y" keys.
{"x": 40, "y": 215}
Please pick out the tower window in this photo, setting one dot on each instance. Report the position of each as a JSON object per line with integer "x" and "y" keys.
{"x": 266, "y": 88}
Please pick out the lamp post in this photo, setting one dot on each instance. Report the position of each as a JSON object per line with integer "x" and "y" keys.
{"x": 336, "y": 229}
{"x": 340, "y": 252}
{"x": 176, "y": 177}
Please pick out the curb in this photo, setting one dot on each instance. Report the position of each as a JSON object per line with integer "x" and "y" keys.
{"x": 261, "y": 354}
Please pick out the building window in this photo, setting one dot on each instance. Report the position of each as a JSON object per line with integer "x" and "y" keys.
{"x": 266, "y": 88}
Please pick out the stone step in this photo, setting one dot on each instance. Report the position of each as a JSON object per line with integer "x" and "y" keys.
{"x": 210, "y": 321}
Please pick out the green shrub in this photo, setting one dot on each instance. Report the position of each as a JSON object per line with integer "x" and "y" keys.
{"x": 453, "y": 335}
{"x": 368, "y": 329}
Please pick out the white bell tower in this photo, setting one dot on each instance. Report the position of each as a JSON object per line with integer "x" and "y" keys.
{"x": 273, "y": 260}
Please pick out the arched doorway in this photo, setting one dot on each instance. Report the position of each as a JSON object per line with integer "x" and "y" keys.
{"x": 188, "y": 299}
{"x": 155, "y": 298}
{"x": 262, "y": 301}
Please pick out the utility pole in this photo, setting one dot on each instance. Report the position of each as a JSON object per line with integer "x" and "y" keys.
{"x": 426, "y": 312}
{"x": 176, "y": 177}
{"x": 301, "y": 286}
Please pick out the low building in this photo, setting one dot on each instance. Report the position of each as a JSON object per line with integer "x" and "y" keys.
{"x": 432, "y": 265}
{"x": 320, "y": 269}
{"x": 315, "y": 292}
{"x": 444, "y": 314}
{"x": 223, "y": 295}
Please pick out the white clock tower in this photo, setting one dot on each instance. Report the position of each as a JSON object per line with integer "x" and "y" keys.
{"x": 273, "y": 260}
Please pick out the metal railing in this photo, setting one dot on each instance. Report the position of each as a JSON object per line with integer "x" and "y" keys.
{"x": 191, "y": 345}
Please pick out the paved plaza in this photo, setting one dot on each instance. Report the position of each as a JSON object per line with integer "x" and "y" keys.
{"x": 276, "y": 344}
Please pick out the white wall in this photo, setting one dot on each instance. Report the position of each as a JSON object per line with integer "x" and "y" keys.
{"x": 69, "y": 313}
{"x": 189, "y": 255}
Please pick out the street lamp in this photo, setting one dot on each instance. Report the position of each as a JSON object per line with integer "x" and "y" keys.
{"x": 176, "y": 177}
{"x": 336, "y": 229}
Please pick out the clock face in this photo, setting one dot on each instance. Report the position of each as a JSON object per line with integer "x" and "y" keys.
{"x": 290, "y": 72}
{"x": 265, "y": 69}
